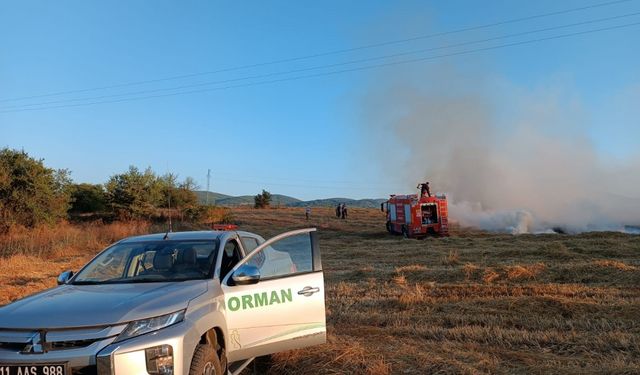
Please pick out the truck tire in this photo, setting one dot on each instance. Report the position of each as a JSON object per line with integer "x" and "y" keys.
{"x": 205, "y": 361}
{"x": 405, "y": 232}
{"x": 389, "y": 227}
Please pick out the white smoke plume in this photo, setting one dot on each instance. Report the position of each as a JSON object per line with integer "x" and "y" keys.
{"x": 510, "y": 159}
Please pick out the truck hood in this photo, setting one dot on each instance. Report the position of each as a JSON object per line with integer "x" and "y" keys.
{"x": 69, "y": 306}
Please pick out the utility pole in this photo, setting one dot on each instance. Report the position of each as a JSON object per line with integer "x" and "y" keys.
{"x": 208, "y": 181}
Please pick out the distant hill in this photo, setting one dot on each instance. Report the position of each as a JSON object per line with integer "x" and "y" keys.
{"x": 246, "y": 200}
{"x": 285, "y": 200}
{"x": 213, "y": 196}
{"x": 242, "y": 200}
{"x": 332, "y": 202}
{"x": 282, "y": 200}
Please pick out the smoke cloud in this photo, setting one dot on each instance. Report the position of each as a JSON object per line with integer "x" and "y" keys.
{"x": 509, "y": 159}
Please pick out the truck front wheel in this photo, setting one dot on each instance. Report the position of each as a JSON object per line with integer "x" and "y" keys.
{"x": 389, "y": 227}
{"x": 205, "y": 361}
{"x": 405, "y": 232}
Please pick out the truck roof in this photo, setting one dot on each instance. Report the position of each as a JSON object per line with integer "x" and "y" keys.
{"x": 180, "y": 236}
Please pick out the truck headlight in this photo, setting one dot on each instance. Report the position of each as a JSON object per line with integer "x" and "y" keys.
{"x": 140, "y": 327}
{"x": 159, "y": 360}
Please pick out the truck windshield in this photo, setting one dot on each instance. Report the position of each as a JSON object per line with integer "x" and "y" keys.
{"x": 158, "y": 261}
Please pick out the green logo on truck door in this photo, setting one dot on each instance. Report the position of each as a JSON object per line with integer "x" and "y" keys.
{"x": 250, "y": 301}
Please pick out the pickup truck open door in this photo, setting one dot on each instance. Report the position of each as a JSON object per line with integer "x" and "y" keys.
{"x": 274, "y": 297}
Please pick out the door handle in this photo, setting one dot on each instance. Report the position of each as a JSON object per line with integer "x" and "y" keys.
{"x": 308, "y": 291}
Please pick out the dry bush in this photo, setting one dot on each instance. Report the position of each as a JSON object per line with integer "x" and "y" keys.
{"x": 66, "y": 239}
{"x": 411, "y": 268}
{"x": 527, "y": 271}
{"x": 490, "y": 275}
{"x": 609, "y": 263}
{"x": 412, "y": 296}
{"x": 451, "y": 259}
{"x": 400, "y": 280}
{"x": 470, "y": 270}
{"x": 219, "y": 215}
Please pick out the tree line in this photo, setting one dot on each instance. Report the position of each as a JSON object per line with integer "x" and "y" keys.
{"x": 32, "y": 194}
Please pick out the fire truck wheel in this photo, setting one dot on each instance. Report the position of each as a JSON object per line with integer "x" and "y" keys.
{"x": 405, "y": 232}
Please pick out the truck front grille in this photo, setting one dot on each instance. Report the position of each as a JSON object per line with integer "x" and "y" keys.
{"x": 38, "y": 341}
{"x": 13, "y": 346}
{"x": 51, "y": 346}
{"x": 62, "y": 345}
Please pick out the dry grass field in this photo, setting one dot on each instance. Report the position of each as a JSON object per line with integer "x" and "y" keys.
{"x": 472, "y": 303}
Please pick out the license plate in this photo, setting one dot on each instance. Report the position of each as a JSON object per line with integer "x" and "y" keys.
{"x": 35, "y": 369}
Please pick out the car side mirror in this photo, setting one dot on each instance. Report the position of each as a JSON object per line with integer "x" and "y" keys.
{"x": 64, "y": 277}
{"x": 246, "y": 275}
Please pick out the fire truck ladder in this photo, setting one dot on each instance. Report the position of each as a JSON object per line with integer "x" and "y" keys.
{"x": 444, "y": 218}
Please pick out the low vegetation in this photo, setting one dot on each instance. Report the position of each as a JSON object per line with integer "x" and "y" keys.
{"x": 471, "y": 303}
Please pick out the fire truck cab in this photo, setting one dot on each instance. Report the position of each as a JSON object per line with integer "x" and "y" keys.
{"x": 417, "y": 215}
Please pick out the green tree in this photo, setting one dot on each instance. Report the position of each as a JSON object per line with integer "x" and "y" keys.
{"x": 30, "y": 193}
{"x": 134, "y": 194}
{"x": 262, "y": 200}
{"x": 87, "y": 198}
{"x": 178, "y": 195}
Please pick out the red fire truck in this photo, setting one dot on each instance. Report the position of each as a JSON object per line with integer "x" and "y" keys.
{"x": 417, "y": 215}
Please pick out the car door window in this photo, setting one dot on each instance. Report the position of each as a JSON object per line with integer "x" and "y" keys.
{"x": 249, "y": 244}
{"x": 230, "y": 257}
{"x": 289, "y": 256}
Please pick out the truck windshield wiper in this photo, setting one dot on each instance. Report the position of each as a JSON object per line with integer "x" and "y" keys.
{"x": 145, "y": 280}
{"x": 87, "y": 282}
{"x": 130, "y": 281}
{"x": 97, "y": 282}
{"x": 133, "y": 281}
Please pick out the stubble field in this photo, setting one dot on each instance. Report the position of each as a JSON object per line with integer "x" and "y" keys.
{"x": 472, "y": 303}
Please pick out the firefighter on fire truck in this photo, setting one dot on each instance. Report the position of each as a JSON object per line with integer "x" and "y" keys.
{"x": 424, "y": 189}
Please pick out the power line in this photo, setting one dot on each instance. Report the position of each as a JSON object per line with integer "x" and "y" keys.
{"x": 265, "y": 183}
{"x": 323, "y": 54}
{"x": 267, "y": 75}
{"x": 402, "y": 62}
{"x": 331, "y": 182}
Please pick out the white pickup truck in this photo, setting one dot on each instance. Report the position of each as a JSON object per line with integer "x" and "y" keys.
{"x": 204, "y": 302}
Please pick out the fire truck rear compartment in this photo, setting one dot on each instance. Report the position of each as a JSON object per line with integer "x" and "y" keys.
{"x": 429, "y": 213}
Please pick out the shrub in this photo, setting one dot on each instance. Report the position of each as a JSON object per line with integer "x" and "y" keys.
{"x": 135, "y": 194}
{"x": 87, "y": 198}
{"x": 30, "y": 193}
{"x": 262, "y": 200}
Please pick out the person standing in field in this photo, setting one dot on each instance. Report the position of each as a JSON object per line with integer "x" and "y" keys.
{"x": 344, "y": 211}
{"x": 307, "y": 212}
{"x": 338, "y": 210}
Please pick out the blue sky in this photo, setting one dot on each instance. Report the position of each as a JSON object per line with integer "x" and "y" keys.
{"x": 302, "y": 137}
